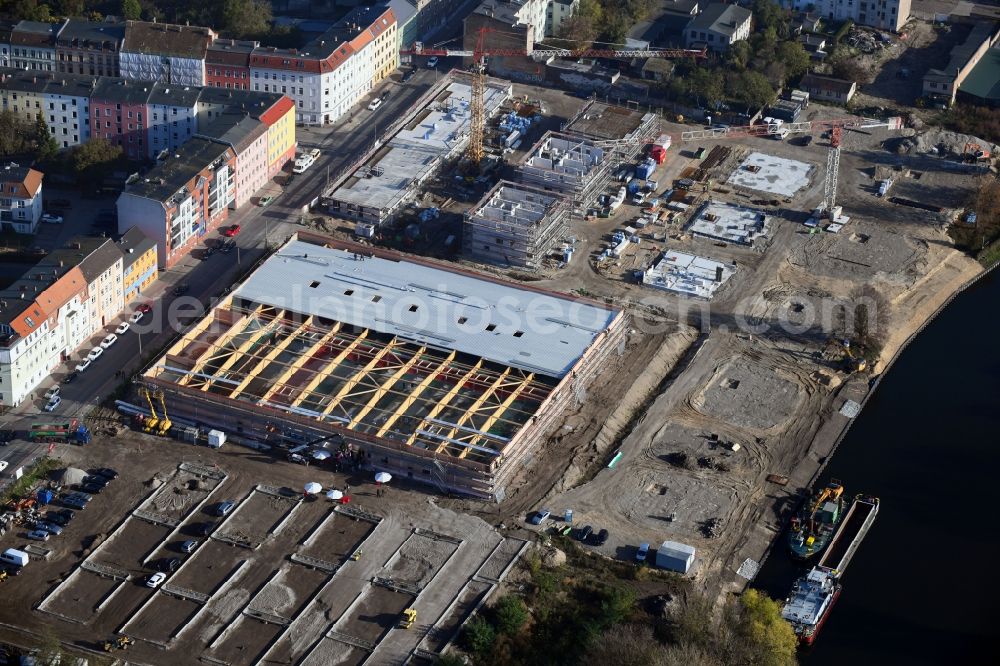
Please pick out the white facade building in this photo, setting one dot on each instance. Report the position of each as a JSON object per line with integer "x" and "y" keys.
{"x": 20, "y": 199}
{"x": 67, "y": 109}
{"x": 171, "y": 117}
{"x": 33, "y": 46}
{"x": 883, "y": 14}
{"x": 103, "y": 268}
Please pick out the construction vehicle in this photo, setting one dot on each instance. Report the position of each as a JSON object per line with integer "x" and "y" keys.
{"x": 71, "y": 431}
{"x": 850, "y": 362}
{"x": 164, "y": 423}
{"x": 973, "y": 152}
{"x": 120, "y": 643}
{"x": 150, "y": 424}
{"x": 3, "y": 575}
{"x": 408, "y": 618}
{"x": 477, "y": 108}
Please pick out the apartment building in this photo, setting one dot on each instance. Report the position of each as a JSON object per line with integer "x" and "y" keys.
{"x": 333, "y": 72}
{"x": 139, "y": 269}
{"x": 172, "y": 118}
{"x": 183, "y": 198}
{"x": 6, "y": 28}
{"x": 63, "y": 100}
{"x": 20, "y": 199}
{"x": 882, "y": 14}
{"x": 227, "y": 63}
{"x": 510, "y": 24}
{"x": 247, "y": 136}
{"x": 118, "y": 114}
{"x": 280, "y": 121}
{"x": 33, "y": 46}
{"x": 718, "y": 27}
{"x": 163, "y": 52}
{"x": 101, "y": 267}
{"x": 89, "y": 47}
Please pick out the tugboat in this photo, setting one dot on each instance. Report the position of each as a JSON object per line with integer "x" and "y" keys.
{"x": 809, "y": 603}
{"x": 813, "y": 527}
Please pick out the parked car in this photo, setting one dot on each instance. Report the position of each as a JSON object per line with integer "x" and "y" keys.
{"x": 144, "y": 308}
{"x": 640, "y": 555}
{"x": 231, "y": 231}
{"x": 76, "y": 501}
{"x": 169, "y": 564}
{"x": 96, "y": 479}
{"x": 51, "y": 528}
{"x": 601, "y": 538}
{"x": 584, "y": 533}
{"x": 52, "y": 218}
{"x": 52, "y": 392}
{"x": 433, "y": 62}
{"x": 375, "y": 103}
{"x": 109, "y": 340}
{"x": 189, "y": 546}
{"x": 122, "y": 328}
{"x": 38, "y": 535}
{"x": 314, "y": 153}
{"x": 264, "y": 201}
{"x": 181, "y": 289}
{"x": 92, "y": 488}
{"x": 83, "y": 365}
{"x": 61, "y": 518}
{"x": 540, "y": 517}
{"x": 156, "y": 579}
{"x": 407, "y": 75}
{"x": 225, "y": 508}
{"x": 53, "y": 404}
{"x": 106, "y": 472}
{"x": 95, "y": 353}
{"x": 134, "y": 319}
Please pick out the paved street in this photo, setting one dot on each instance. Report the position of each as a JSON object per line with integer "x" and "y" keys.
{"x": 341, "y": 145}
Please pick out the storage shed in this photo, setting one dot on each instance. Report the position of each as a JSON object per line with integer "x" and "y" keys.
{"x": 675, "y": 556}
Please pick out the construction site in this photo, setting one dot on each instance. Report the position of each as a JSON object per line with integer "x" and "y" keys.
{"x": 437, "y": 375}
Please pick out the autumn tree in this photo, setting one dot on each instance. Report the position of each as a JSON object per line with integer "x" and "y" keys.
{"x": 46, "y": 147}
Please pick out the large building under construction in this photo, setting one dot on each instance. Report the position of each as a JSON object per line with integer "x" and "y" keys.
{"x": 514, "y": 225}
{"x": 440, "y": 375}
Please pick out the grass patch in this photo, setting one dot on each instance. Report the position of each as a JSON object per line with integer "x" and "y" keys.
{"x": 22, "y": 486}
{"x": 990, "y": 256}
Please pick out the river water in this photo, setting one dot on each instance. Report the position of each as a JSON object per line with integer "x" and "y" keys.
{"x": 924, "y": 587}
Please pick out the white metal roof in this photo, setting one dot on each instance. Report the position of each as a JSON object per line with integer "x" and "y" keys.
{"x": 524, "y": 329}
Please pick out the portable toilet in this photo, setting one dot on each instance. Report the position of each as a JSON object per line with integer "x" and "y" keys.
{"x": 675, "y": 556}
{"x": 216, "y": 438}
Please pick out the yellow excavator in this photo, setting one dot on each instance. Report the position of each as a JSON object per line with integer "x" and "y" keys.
{"x": 120, "y": 643}
{"x": 153, "y": 421}
{"x": 165, "y": 423}
{"x": 851, "y": 362}
{"x": 408, "y": 618}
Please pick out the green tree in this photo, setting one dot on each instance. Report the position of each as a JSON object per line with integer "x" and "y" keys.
{"x": 754, "y": 90}
{"x": 29, "y": 10}
{"x": 46, "y": 147}
{"x": 95, "y": 160}
{"x": 511, "y": 614}
{"x": 13, "y": 134}
{"x": 242, "y": 18}
{"x": 769, "y": 15}
{"x": 739, "y": 54}
{"x": 478, "y": 636}
{"x": 71, "y": 7}
{"x": 617, "y": 604}
{"x": 705, "y": 86}
{"x": 795, "y": 58}
{"x": 131, "y": 9}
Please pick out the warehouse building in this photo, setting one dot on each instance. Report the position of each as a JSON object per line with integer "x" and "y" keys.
{"x": 514, "y": 225}
{"x": 436, "y": 374}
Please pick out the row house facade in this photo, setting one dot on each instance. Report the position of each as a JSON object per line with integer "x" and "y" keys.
{"x": 63, "y": 101}
{"x": 164, "y": 52}
{"x": 227, "y": 64}
{"x": 33, "y": 46}
{"x": 20, "y": 199}
{"x": 183, "y": 198}
{"x": 89, "y": 47}
{"x": 55, "y": 308}
{"x": 333, "y": 72}
{"x": 139, "y": 269}
{"x": 248, "y": 137}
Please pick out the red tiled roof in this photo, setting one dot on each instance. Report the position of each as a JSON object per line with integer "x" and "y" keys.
{"x": 277, "y": 111}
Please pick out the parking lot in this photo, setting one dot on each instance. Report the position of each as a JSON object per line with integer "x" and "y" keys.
{"x": 282, "y": 577}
